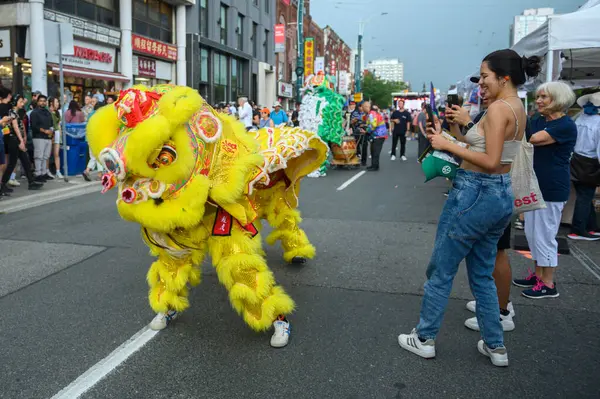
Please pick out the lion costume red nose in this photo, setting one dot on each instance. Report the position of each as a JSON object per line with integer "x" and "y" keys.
{"x": 108, "y": 181}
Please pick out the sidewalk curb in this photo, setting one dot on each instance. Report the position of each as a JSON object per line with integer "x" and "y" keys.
{"x": 48, "y": 197}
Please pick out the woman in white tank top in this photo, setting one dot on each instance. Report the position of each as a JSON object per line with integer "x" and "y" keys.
{"x": 477, "y": 211}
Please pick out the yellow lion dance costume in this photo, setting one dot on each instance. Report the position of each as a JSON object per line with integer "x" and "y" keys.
{"x": 195, "y": 181}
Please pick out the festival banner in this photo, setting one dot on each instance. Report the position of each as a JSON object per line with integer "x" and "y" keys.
{"x": 309, "y": 56}
{"x": 280, "y": 38}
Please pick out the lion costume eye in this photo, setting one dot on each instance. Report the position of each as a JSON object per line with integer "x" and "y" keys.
{"x": 166, "y": 156}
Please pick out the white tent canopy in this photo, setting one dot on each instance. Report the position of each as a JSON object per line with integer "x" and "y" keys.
{"x": 570, "y": 43}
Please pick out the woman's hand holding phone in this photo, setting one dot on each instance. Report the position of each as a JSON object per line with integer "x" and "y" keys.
{"x": 459, "y": 115}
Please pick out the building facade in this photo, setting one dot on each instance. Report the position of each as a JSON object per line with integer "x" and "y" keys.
{"x": 116, "y": 43}
{"x": 528, "y": 22}
{"x": 285, "y": 66}
{"x": 391, "y": 70}
{"x": 230, "y": 50}
{"x": 338, "y": 59}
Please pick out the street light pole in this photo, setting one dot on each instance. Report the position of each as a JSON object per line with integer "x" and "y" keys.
{"x": 357, "y": 67}
{"x": 361, "y": 31}
{"x": 300, "y": 57}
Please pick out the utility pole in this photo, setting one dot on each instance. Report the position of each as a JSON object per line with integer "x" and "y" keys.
{"x": 358, "y": 73}
{"x": 300, "y": 57}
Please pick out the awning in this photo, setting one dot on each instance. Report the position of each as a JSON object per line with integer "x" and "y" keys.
{"x": 88, "y": 73}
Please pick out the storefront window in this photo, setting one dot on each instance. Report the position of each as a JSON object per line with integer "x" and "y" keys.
{"x": 153, "y": 18}
{"x": 234, "y": 78}
{"x": 220, "y": 77}
{"x": 204, "y": 65}
{"x": 6, "y": 75}
{"x": 103, "y": 11}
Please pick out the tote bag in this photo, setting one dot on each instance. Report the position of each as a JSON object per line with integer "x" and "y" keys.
{"x": 526, "y": 189}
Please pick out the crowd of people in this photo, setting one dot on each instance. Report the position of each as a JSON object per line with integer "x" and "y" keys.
{"x": 255, "y": 116}
{"x": 31, "y": 136}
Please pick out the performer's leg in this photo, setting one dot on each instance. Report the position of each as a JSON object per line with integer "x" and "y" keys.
{"x": 242, "y": 269}
{"x": 168, "y": 279}
{"x": 285, "y": 222}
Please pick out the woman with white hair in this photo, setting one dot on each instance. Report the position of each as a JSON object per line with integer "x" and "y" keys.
{"x": 554, "y": 137}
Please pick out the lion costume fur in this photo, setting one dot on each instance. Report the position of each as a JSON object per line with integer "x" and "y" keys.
{"x": 196, "y": 181}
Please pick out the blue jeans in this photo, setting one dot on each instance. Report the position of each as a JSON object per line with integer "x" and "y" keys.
{"x": 584, "y": 214}
{"x": 477, "y": 211}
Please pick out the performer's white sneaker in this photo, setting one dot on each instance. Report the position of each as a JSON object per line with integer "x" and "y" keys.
{"x": 393, "y": 157}
{"x": 404, "y": 158}
{"x": 281, "y": 336}
{"x": 161, "y": 320}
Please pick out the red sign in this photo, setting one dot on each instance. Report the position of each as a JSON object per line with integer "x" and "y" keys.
{"x": 146, "y": 67}
{"x": 280, "y": 38}
{"x": 286, "y": 2}
{"x": 153, "y": 47}
{"x": 92, "y": 55}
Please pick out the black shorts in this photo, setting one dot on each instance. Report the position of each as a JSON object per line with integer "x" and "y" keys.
{"x": 504, "y": 241}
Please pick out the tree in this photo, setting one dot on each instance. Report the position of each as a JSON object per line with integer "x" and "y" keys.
{"x": 379, "y": 91}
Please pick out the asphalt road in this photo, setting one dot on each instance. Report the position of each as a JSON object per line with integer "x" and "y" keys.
{"x": 72, "y": 290}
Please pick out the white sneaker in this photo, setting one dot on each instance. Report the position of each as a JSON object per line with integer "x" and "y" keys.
{"x": 498, "y": 356}
{"x": 471, "y": 307}
{"x": 59, "y": 175}
{"x": 507, "y": 323}
{"x": 50, "y": 174}
{"x": 403, "y": 158}
{"x": 281, "y": 336}
{"x": 393, "y": 157}
{"x": 14, "y": 183}
{"x": 412, "y": 343}
{"x": 161, "y": 320}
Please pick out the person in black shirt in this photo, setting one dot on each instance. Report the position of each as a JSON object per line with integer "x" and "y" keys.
{"x": 15, "y": 144}
{"x": 42, "y": 132}
{"x": 401, "y": 120}
{"x": 295, "y": 116}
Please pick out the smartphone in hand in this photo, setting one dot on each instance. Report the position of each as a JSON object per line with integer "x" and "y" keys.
{"x": 452, "y": 100}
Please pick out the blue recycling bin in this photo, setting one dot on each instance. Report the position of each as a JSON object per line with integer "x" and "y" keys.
{"x": 77, "y": 149}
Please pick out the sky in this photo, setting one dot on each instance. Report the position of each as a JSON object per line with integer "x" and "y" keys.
{"x": 438, "y": 40}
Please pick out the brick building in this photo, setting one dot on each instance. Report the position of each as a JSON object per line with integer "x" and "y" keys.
{"x": 285, "y": 63}
{"x": 338, "y": 56}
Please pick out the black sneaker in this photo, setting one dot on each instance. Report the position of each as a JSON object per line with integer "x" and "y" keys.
{"x": 372, "y": 169}
{"x": 541, "y": 290}
{"x": 35, "y": 185}
{"x": 528, "y": 282}
{"x": 86, "y": 176}
{"x": 6, "y": 189}
{"x": 40, "y": 179}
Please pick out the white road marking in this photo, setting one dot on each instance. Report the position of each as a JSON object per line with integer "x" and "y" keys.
{"x": 351, "y": 180}
{"x": 586, "y": 261}
{"x": 101, "y": 369}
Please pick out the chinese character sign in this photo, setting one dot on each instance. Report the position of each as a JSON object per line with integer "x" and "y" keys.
{"x": 309, "y": 56}
{"x": 146, "y": 67}
{"x": 153, "y": 47}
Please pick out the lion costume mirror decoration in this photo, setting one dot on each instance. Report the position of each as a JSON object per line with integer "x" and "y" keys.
{"x": 197, "y": 182}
